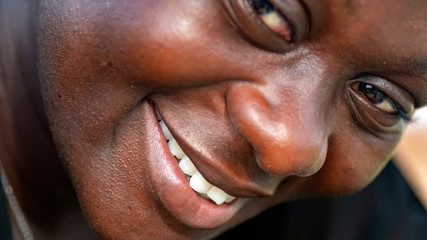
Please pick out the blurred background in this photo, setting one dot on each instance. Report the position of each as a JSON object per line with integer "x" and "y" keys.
{"x": 411, "y": 155}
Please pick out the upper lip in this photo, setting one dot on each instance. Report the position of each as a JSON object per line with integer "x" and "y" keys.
{"x": 228, "y": 180}
{"x": 234, "y": 180}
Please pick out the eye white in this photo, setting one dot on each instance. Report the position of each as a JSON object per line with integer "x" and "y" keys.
{"x": 272, "y": 18}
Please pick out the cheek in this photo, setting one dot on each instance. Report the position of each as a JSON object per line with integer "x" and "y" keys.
{"x": 173, "y": 45}
{"x": 355, "y": 158}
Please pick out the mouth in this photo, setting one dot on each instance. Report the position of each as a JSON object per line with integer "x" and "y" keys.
{"x": 197, "y": 182}
{"x": 181, "y": 188}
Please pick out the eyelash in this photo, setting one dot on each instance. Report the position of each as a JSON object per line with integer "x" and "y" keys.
{"x": 406, "y": 117}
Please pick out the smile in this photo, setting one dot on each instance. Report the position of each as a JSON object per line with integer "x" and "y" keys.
{"x": 177, "y": 183}
{"x": 197, "y": 182}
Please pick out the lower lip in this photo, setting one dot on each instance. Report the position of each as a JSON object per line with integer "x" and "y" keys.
{"x": 172, "y": 187}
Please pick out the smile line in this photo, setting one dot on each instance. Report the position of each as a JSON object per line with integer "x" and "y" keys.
{"x": 197, "y": 182}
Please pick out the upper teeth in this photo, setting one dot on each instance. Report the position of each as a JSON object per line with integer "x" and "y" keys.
{"x": 197, "y": 182}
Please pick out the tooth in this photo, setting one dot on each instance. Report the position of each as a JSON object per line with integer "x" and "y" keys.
{"x": 204, "y": 196}
{"x": 230, "y": 199}
{"x": 175, "y": 149}
{"x": 199, "y": 184}
{"x": 217, "y": 195}
{"x": 187, "y": 166}
{"x": 165, "y": 130}
{"x": 158, "y": 115}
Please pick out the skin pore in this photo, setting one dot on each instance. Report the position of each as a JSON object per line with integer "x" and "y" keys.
{"x": 269, "y": 112}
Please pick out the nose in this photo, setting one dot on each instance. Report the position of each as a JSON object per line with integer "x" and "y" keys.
{"x": 288, "y": 132}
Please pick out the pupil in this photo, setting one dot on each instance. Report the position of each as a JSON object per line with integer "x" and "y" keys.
{"x": 372, "y": 93}
{"x": 262, "y": 6}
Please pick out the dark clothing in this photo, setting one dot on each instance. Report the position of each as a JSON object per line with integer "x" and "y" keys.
{"x": 386, "y": 210}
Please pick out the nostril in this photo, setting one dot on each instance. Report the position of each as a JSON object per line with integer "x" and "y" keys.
{"x": 290, "y": 159}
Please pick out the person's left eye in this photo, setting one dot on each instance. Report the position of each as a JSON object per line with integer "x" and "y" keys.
{"x": 380, "y": 105}
{"x": 273, "y": 19}
{"x": 379, "y": 98}
{"x": 272, "y": 25}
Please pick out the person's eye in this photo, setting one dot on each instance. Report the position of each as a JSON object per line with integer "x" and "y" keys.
{"x": 272, "y": 25}
{"x": 379, "y": 105}
{"x": 381, "y": 100}
{"x": 273, "y": 19}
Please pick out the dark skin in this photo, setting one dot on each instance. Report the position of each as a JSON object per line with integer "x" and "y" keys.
{"x": 266, "y": 116}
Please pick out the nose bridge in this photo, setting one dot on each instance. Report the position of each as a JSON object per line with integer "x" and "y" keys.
{"x": 288, "y": 133}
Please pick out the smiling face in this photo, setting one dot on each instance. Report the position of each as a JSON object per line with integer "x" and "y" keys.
{"x": 271, "y": 101}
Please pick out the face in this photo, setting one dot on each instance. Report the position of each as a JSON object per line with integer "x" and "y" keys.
{"x": 270, "y": 101}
